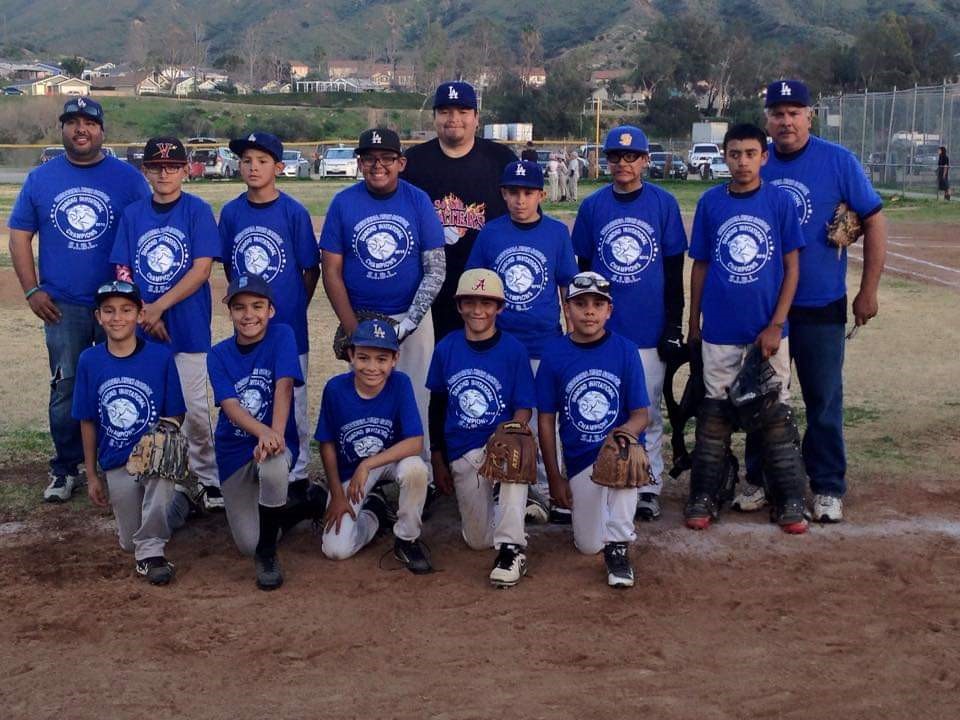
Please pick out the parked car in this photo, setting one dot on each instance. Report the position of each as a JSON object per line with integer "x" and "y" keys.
{"x": 543, "y": 157}
{"x": 718, "y": 169}
{"x": 585, "y": 152}
{"x": 135, "y": 155}
{"x": 925, "y": 158}
{"x": 702, "y": 153}
{"x": 106, "y": 150}
{"x": 655, "y": 148}
{"x": 49, "y": 153}
{"x": 295, "y": 165}
{"x": 339, "y": 162}
{"x": 667, "y": 165}
{"x": 218, "y": 162}
{"x": 12, "y": 90}
{"x": 195, "y": 166}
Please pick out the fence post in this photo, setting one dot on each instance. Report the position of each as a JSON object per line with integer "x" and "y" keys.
{"x": 863, "y": 127}
{"x": 913, "y": 131}
{"x": 840, "y": 127}
{"x": 887, "y": 159}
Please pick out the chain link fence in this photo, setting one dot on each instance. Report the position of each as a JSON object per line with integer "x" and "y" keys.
{"x": 896, "y": 134}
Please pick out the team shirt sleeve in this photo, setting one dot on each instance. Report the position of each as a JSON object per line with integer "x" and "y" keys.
{"x": 205, "y": 233}
{"x": 326, "y": 422}
{"x": 331, "y": 237}
{"x": 674, "y": 236}
{"x": 287, "y": 360}
{"x": 173, "y": 404}
{"x": 547, "y": 399}
{"x": 476, "y": 258}
{"x": 791, "y": 233}
{"x": 636, "y": 396}
{"x": 225, "y": 230}
{"x": 223, "y": 388}
{"x": 856, "y": 188}
{"x": 24, "y": 213}
{"x": 120, "y": 254}
{"x": 700, "y": 240}
{"x": 84, "y": 405}
{"x": 436, "y": 380}
{"x": 431, "y": 229}
{"x": 566, "y": 262}
{"x": 582, "y": 237}
{"x": 410, "y": 423}
{"x": 524, "y": 389}
{"x": 305, "y": 246}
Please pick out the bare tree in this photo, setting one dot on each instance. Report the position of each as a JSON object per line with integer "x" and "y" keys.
{"x": 252, "y": 50}
{"x": 201, "y": 50}
{"x": 531, "y": 52}
{"x": 137, "y": 49}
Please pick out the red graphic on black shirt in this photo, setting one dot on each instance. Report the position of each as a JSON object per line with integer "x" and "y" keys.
{"x": 458, "y": 218}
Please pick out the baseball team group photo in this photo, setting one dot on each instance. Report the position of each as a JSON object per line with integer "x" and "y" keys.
{"x": 449, "y": 440}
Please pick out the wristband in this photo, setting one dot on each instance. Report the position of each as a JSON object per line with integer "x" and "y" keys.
{"x": 31, "y": 291}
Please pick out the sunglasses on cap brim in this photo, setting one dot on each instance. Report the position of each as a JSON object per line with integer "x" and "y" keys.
{"x": 582, "y": 283}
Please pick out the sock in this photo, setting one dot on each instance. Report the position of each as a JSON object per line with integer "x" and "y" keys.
{"x": 269, "y": 527}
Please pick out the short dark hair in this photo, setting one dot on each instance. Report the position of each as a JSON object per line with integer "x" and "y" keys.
{"x": 745, "y": 131}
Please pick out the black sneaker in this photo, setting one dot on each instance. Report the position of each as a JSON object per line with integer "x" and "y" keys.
{"x": 700, "y": 511}
{"x": 619, "y": 570}
{"x": 648, "y": 507}
{"x": 269, "y": 576}
{"x": 158, "y": 570}
{"x": 376, "y": 502}
{"x": 412, "y": 554}
{"x": 561, "y": 516}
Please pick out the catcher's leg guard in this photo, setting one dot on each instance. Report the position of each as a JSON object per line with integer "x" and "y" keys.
{"x": 783, "y": 467}
{"x": 714, "y": 427}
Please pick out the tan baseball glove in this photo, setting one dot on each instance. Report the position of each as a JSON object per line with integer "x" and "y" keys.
{"x": 162, "y": 451}
{"x": 341, "y": 341}
{"x": 622, "y": 462}
{"x": 845, "y": 228}
{"x": 511, "y": 455}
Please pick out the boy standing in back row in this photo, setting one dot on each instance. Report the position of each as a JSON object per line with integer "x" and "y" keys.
{"x": 266, "y": 232}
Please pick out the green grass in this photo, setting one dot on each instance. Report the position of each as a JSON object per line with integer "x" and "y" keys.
{"x": 21, "y": 445}
{"x": 921, "y": 210}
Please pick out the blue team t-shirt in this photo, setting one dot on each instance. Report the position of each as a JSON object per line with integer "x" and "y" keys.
{"x": 125, "y": 396}
{"x": 626, "y": 243}
{"x": 361, "y": 427}
{"x": 484, "y": 387}
{"x": 381, "y": 239}
{"x": 276, "y": 241}
{"x": 592, "y": 388}
{"x": 75, "y": 210}
{"x": 159, "y": 248}
{"x": 533, "y": 262}
{"x": 744, "y": 238}
{"x": 251, "y": 377}
{"x": 818, "y": 178}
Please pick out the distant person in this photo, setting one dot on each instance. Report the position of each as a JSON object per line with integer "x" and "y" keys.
{"x": 529, "y": 152}
{"x": 461, "y": 174}
{"x": 553, "y": 177}
{"x": 819, "y": 175}
{"x": 74, "y": 204}
{"x": 943, "y": 173}
{"x": 575, "y": 169}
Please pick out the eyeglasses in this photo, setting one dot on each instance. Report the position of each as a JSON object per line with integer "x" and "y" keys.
{"x": 163, "y": 169}
{"x": 628, "y": 156}
{"x": 369, "y": 161}
{"x": 582, "y": 282}
{"x": 117, "y": 286}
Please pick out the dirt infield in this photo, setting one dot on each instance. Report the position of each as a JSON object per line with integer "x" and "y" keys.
{"x": 925, "y": 252}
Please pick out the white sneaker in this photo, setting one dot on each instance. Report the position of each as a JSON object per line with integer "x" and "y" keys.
{"x": 827, "y": 508}
{"x": 60, "y": 488}
{"x": 212, "y": 498}
{"x": 509, "y": 567}
{"x": 537, "y": 510}
{"x": 750, "y": 499}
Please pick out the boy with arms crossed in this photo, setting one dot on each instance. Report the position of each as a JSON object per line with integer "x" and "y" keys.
{"x": 370, "y": 432}
{"x": 479, "y": 377}
{"x": 745, "y": 242}
{"x": 253, "y": 375}
{"x": 593, "y": 379}
{"x": 123, "y": 387}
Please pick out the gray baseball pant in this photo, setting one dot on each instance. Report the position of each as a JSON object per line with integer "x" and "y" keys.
{"x": 140, "y": 507}
{"x": 249, "y": 487}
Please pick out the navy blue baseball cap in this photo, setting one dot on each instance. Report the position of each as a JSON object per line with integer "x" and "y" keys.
{"x": 787, "y": 92}
{"x": 85, "y": 106}
{"x": 455, "y": 94}
{"x": 375, "y": 334}
{"x": 379, "y": 139}
{"x": 270, "y": 144}
{"x": 248, "y": 283}
{"x": 522, "y": 173}
{"x": 118, "y": 288}
{"x": 626, "y": 138}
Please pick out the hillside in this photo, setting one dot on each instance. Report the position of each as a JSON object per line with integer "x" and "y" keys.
{"x": 101, "y": 29}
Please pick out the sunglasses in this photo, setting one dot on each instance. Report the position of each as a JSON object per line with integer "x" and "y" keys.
{"x": 582, "y": 282}
{"x": 117, "y": 286}
{"x": 84, "y": 109}
{"x": 617, "y": 157}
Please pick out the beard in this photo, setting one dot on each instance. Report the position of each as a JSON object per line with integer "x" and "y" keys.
{"x": 85, "y": 154}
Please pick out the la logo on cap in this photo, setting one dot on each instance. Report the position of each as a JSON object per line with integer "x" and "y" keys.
{"x": 452, "y": 94}
{"x": 626, "y": 139}
{"x": 252, "y": 138}
{"x": 378, "y": 331}
{"x": 375, "y": 139}
{"x": 785, "y": 89}
{"x": 480, "y": 284}
{"x": 163, "y": 150}
{"x": 521, "y": 171}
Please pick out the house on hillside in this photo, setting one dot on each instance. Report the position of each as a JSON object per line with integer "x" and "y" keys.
{"x": 57, "y": 85}
{"x": 533, "y": 77}
{"x": 104, "y": 70}
{"x": 31, "y": 72}
{"x": 298, "y": 69}
{"x": 321, "y": 86}
{"x": 370, "y": 75}
{"x": 274, "y": 87}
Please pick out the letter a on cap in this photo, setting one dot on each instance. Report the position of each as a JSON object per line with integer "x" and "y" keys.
{"x": 480, "y": 284}
{"x": 452, "y": 94}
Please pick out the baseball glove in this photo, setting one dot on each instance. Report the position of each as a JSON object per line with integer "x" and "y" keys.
{"x": 511, "y": 455}
{"x": 845, "y": 228}
{"x": 622, "y": 462}
{"x": 754, "y": 389}
{"x": 162, "y": 451}
{"x": 341, "y": 341}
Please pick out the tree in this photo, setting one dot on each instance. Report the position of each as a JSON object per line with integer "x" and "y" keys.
{"x": 73, "y": 67}
{"x": 252, "y": 49}
{"x": 433, "y": 57}
{"x": 886, "y": 53}
{"x": 531, "y": 53}
{"x": 137, "y": 44}
{"x": 201, "y": 48}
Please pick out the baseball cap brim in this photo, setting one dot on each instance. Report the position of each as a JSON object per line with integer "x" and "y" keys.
{"x": 239, "y": 146}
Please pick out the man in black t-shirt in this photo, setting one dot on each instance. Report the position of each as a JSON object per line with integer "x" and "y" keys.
{"x": 529, "y": 152}
{"x": 461, "y": 174}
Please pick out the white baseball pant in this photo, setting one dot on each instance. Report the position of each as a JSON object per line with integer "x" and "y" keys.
{"x": 415, "y": 354}
{"x": 601, "y": 515}
{"x": 542, "y": 486}
{"x": 301, "y": 415}
{"x": 484, "y": 523}
{"x": 721, "y": 363}
{"x": 654, "y": 370}
{"x": 192, "y": 368}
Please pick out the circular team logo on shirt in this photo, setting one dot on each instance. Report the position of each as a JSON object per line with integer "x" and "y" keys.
{"x": 82, "y": 215}
{"x": 161, "y": 255}
{"x": 254, "y": 393}
{"x": 626, "y": 248}
{"x": 381, "y": 243}
{"x": 477, "y": 395}
{"x": 365, "y": 437}
{"x": 593, "y": 402}
{"x": 800, "y": 194}
{"x": 126, "y": 410}
{"x": 524, "y": 274}
{"x": 743, "y": 248}
{"x": 259, "y": 251}
{"x": 367, "y": 446}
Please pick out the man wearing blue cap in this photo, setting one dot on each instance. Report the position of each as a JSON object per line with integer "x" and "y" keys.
{"x": 819, "y": 175}
{"x": 73, "y": 203}
{"x": 631, "y": 233}
{"x": 460, "y": 172}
